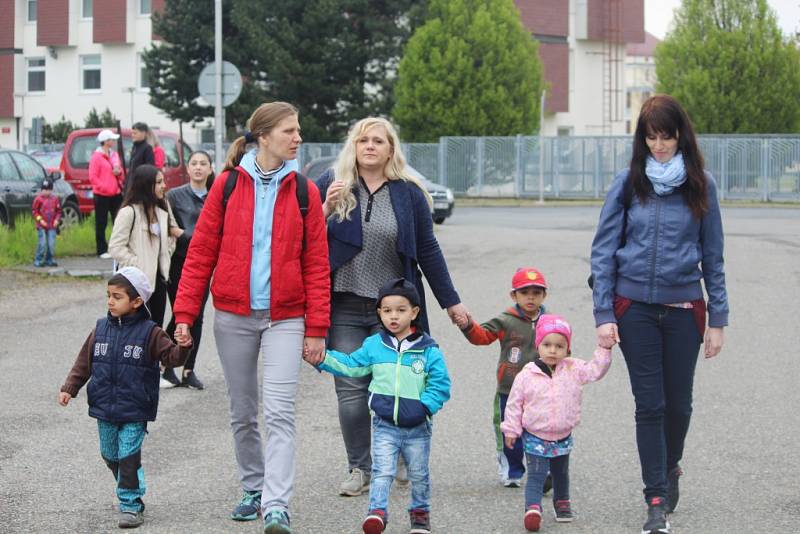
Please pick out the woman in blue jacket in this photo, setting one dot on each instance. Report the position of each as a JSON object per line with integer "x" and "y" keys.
{"x": 659, "y": 235}
{"x": 379, "y": 228}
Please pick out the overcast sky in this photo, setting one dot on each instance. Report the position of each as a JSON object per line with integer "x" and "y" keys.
{"x": 658, "y": 15}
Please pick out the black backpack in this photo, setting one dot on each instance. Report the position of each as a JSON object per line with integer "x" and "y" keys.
{"x": 627, "y": 198}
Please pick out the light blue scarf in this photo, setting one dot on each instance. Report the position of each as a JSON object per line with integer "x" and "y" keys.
{"x": 665, "y": 177}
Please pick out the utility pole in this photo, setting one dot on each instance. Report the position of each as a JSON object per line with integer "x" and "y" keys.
{"x": 219, "y": 126}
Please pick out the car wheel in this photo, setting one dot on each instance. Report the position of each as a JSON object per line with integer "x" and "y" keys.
{"x": 439, "y": 220}
{"x": 70, "y": 214}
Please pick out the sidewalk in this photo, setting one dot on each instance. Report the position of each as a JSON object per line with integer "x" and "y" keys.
{"x": 78, "y": 266}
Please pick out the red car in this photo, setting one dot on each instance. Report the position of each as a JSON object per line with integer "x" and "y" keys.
{"x": 81, "y": 143}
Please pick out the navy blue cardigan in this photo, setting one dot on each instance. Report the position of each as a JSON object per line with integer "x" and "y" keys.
{"x": 416, "y": 245}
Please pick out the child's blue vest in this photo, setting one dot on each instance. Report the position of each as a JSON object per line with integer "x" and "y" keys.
{"x": 124, "y": 383}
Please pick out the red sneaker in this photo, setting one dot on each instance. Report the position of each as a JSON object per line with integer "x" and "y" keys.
{"x": 375, "y": 522}
{"x": 533, "y": 518}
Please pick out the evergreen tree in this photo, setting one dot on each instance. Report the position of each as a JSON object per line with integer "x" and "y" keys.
{"x": 471, "y": 69}
{"x": 103, "y": 120}
{"x": 58, "y": 132}
{"x": 728, "y": 63}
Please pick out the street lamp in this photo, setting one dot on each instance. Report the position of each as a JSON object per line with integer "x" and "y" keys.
{"x": 130, "y": 90}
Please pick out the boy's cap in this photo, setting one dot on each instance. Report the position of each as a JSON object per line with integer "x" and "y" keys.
{"x": 105, "y": 135}
{"x": 398, "y": 286}
{"x": 138, "y": 280}
{"x": 526, "y": 277}
{"x": 47, "y": 184}
{"x": 553, "y": 324}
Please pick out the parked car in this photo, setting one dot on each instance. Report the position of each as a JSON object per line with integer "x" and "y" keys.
{"x": 443, "y": 199}
{"x": 21, "y": 179}
{"x": 81, "y": 143}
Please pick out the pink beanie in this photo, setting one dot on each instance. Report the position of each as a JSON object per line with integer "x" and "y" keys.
{"x": 553, "y": 324}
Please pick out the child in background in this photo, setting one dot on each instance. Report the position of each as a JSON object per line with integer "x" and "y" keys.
{"x": 46, "y": 212}
{"x": 543, "y": 407}
{"x": 515, "y": 329}
{"x": 120, "y": 360}
{"x": 409, "y": 384}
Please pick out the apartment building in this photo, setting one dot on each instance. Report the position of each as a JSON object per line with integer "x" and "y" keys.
{"x": 640, "y": 77}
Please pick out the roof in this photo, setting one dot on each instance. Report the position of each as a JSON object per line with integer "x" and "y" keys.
{"x": 644, "y": 49}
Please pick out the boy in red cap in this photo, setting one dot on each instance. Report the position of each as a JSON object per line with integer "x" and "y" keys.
{"x": 543, "y": 407}
{"x": 515, "y": 329}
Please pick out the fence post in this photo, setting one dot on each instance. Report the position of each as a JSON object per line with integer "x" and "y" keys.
{"x": 442, "y": 150}
{"x": 480, "y": 165}
{"x": 598, "y": 166}
{"x": 520, "y": 167}
{"x": 554, "y": 162}
{"x": 723, "y": 180}
{"x": 765, "y": 170}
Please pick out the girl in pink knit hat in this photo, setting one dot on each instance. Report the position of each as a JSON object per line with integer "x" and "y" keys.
{"x": 543, "y": 407}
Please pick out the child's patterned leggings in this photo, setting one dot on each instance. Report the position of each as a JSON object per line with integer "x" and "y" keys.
{"x": 121, "y": 448}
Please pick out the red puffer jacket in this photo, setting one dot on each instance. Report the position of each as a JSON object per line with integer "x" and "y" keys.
{"x": 300, "y": 284}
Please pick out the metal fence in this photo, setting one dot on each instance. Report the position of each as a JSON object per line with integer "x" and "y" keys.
{"x": 763, "y": 168}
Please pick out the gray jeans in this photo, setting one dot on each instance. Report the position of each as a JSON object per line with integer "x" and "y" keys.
{"x": 240, "y": 339}
{"x": 353, "y": 319}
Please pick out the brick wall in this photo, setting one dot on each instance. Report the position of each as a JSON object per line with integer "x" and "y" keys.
{"x": 545, "y": 17}
{"x": 110, "y": 21}
{"x": 52, "y": 23}
{"x": 555, "y": 59}
{"x": 7, "y": 60}
{"x": 630, "y": 20}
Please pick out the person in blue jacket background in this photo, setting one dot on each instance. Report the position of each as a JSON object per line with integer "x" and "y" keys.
{"x": 659, "y": 236}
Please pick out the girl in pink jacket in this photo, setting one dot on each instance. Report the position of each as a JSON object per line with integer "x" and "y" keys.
{"x": 543, "y": 407}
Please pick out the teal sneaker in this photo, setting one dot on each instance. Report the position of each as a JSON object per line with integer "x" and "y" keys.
{"x": 248, "y": 508}
{"x": 277, "y": 522}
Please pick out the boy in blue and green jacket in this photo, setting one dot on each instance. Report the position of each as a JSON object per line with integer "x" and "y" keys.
{"x": 409, "y": 384}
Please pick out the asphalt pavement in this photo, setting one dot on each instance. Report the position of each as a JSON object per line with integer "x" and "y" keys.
{"x": 741, "y": 462}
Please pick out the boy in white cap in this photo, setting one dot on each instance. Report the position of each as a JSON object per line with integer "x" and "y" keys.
{"x": 120, "y": 360}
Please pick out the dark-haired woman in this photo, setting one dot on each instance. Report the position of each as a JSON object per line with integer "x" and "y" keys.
{"x": 660, "y": 236}
{"x": 271, "y": 288}
{"x": 186, "y": 202}
{"x": 144, "y": 234}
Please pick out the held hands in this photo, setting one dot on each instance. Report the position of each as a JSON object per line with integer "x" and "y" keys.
{"x": 64, "y": 398}
{"x": 182, "y": 335}
{"x": 459, "y": 315}
{"x": 314, "y": 350}
{"x": 713, "y": 341}
{"x": 607, "y": 335}
{"x": 510, "y": 441}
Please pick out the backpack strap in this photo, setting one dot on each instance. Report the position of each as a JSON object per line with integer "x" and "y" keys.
{"x": 302, "y": 194}
{"x": 230, "y": 185}
{"x": 627, "y": 199}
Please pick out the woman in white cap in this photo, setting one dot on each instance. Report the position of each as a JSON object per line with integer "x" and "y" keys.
{"x": 105, "y": 175}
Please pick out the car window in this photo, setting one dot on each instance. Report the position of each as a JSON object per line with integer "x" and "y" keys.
{"x": 7, "y": 169}
{"x": 170, "y": 151}
{"x": 29, "y": 169}
{"x": 47, "y": 159}
{"x": 187, "y": 154}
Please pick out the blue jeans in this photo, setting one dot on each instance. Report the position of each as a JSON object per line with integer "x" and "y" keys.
{"x": 46, "y": 248}
{"x": 538, "y": 467}
{"x": 660, "y": 344}
{"x": 353, "y": 319}
{"x": 511, "y": 464}
{"x": 414, "y": 443}
{"x": 121, "y": 448}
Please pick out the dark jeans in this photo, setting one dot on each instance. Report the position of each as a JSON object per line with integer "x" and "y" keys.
{"x": 175, "y": 269}
{"x": 660, "y": 344}
{"x": 103, "y": 207}
{"x": 158, "y": 301}
{"x": 511, "y": 461}
{"x": 538, "y": 467}
{"x": 353, "y": 319}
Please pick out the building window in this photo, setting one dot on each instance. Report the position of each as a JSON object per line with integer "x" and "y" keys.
{"x": 36, "y": 74}
{"x": 90, "y": 72}
{"x": 32, "y": 10}
{"x": 86, "y": 8}
{"x": 145, "y": 6}
{"x": 144, "y": 79}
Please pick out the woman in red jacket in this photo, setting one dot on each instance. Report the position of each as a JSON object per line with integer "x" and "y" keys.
{"x": 271, "y": 291}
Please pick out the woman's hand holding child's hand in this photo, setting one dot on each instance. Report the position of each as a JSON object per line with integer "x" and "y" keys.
{"x": 182, "y": 335}
{"x": 510, "y": 441}
{"x": 607, "y": 335}
{"x": 64, "y": 398}
{"x": 314, "y": 350}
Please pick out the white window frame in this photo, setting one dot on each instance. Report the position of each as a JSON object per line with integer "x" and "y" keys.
{"x": 84, "y": 68}
{"x": 141, "y": 11}
{"x": 37, "y": 68}
{"x": 83, "y": 9}
{"x": 140, "y": 74}
{"x": 28, "y": 18}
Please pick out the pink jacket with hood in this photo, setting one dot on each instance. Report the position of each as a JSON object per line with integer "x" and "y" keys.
{"x": 101, "y": 173}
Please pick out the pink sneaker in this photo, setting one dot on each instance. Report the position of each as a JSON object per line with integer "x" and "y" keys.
{"x": 375, "y": 522}
{"x": 533, "y": 518}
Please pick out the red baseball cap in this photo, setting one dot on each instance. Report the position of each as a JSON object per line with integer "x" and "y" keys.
{"x": 527, "y": 277}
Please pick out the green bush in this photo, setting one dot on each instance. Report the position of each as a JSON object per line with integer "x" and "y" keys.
{"x": 18, "y": 245}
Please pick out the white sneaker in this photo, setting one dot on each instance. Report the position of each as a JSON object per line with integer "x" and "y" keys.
{"x": 356, "y": 483}
{"x": 105, "y": 256}
{"x": 165, "y": 383}
{"x": 512, "y": 483}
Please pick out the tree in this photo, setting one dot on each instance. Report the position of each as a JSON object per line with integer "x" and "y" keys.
{"x": 103, "y": 120}
{"x": 334, "y": 59}
{"x": 471, "y": 69}
{"x": 728, "y": 63}
{"x": 57, "y": 132}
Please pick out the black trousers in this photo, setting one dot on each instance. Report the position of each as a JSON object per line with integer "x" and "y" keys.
{"x": 103, "y": 207}
{"x": 158, "y": 301}
{"x": 175, "y": 269}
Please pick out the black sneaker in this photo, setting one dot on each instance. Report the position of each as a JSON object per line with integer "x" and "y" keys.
{"x": 191, "y": 380}
{"x": 673, "y": 492}
{"x": 563, "y": 511}
{"x": 656, "y": 517}
{"x": 420, "y": 521}
{"x": 168, "y": 378}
